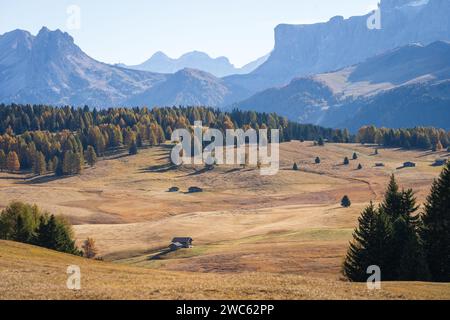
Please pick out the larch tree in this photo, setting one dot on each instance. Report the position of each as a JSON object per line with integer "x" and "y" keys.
{"x": 12, "y": 162}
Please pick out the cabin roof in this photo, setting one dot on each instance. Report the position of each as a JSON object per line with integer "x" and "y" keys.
{"x": 181, "y": 239}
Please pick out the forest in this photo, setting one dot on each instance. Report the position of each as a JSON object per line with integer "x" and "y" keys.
{"x": 61, "y": 140}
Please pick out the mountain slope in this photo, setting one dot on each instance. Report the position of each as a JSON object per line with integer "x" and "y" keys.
{"x": 218, "y": 67}
{"x": 50, "y": 68}
{"x": 391, "y": 89}
{"x": 302, "y": 50}
{"x": 188, "y": 87}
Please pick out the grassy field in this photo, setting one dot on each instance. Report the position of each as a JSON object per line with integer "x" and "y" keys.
{"x": 247, "y": 228}
{"x": 28, "y": 272}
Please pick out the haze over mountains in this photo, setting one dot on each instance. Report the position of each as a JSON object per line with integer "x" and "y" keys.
{"x": 404, "y": 87}
{"x": 218, "y": 67}
{"x": 395, "y": 78}
{"x": 310, "y": 49}
{"x": 50, "y": 68}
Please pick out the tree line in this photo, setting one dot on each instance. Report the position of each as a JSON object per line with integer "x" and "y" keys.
{"x": 416, "y": 138}
{"x": 61, "y": 140}
{"x": 405, "y": 245}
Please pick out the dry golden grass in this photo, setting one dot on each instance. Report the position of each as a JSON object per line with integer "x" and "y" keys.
{"x": 28, "y": 272}
{"x": 290, "y": 224}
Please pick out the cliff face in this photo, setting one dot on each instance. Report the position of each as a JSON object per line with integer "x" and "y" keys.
{"x": 309, "y": 49}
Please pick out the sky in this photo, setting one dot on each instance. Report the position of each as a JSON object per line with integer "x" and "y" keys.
{"x": 129, "y": 32}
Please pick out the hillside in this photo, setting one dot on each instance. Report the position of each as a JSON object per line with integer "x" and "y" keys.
{"x": 405, "y": 87}
{"x": 43, "y": 276}
{"x": 188, "y": 87}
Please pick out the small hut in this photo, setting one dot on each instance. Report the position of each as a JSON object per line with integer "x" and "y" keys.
{"x": 409, "y": 164}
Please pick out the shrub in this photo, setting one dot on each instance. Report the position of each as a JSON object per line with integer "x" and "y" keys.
{"x": 345, "y": 202}
{"x": 317, "y": 160}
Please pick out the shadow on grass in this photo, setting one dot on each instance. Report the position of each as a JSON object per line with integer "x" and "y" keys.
{"x": 43, "y": 179}
{"x": 161, "y": 168}
{"x": 160, "y": 254}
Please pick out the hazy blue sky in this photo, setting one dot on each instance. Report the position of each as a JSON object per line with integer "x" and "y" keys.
{"x": 131, "y": 31}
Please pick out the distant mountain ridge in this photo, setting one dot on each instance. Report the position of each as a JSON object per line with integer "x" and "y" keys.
{"x": 218, "y": 67}
{"x": 50, "y": 68}
{"x": 302, "y": 50}
{"x": 405, "y": 87}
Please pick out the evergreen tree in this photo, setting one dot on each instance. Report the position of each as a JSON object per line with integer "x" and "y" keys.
{"x": 39, "y": 164}
{"x": 317, "y": 160}
{"x": 346, "y": 161}
{"x": 345, "y": 202}
{"x": 435, "y": 231}
{"x": 360, "y": 166}
{"x": 393, "y": 202}
{"x": 91, "y": 156}
{"x": 133, "y": 148}
{"x": 408, "y": 259}
{"x": 295, "y": 167}
{"x": 355, "y": 156}
{"x": 370, "y": 245}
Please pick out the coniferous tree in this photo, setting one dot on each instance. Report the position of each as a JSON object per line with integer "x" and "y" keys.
{"x": 2, "y": 160}
{"x": 355, "y": 156}
{"x": 133, "y": 148}
{"x": 295, "y": 167}
{"x": 360, "y": 166}
{"x": 371, "y": 242}
{"x": 346, "y": 161}
{"x": 392, "y": 204}
{"x": 39, "y": 164}
{"x": 91, "y": 156}
{"x": 12, "y": 162}
{"x": 435, "y": 230}
{"x": 317, "y": 161}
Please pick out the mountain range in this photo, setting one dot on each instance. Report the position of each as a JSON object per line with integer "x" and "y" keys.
{"x": 405, "y": 87}
{"x": 302, "y": 50}
{"x": 219, "y": 67}
{"x": 344, "y": 73}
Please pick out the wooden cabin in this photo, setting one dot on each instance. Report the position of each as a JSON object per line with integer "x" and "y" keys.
{"x": 184, "y": 242}
{"x": 409, "y": 164}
